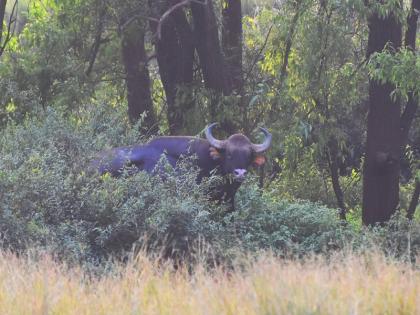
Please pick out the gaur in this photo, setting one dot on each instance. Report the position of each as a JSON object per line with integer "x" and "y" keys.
{"x": 231, "y": 157}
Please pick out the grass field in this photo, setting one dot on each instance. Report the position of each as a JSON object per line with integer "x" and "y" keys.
{"x": 347, "y": 284}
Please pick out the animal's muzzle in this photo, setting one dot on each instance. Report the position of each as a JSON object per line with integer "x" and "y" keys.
{"x": 239, "y": 174}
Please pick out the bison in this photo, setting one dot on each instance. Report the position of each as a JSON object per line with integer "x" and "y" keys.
{"x": 231, "y": 157}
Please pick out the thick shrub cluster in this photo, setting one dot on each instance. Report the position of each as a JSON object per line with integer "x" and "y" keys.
{"x": 297, "y": 228}
{"x": 49, "y": 198}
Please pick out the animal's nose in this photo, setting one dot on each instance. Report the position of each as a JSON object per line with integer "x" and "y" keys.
{"x": 239, "y": 172}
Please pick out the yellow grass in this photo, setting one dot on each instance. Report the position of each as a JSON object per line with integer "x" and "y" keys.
{"x": 346, "y": 285}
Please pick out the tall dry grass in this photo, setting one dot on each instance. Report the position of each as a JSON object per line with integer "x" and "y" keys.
{"x": 347, "y": 284}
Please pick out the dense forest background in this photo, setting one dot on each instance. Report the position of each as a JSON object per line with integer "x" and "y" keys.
{"x": 336, "y": 82}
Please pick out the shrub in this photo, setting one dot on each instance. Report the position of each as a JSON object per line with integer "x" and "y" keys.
{"x": 49, "y": 199}
{"x": 297, "y": 228}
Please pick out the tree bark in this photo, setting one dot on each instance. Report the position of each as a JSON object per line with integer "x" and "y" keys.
{"x": 11, "y": 24}
{"x": 175, "y": 57}
{"x": 335, "y": 176}
{"x": 209, "y": 52}
{"x": 2, "y": 13}
{"x": 232, "y": 41}
{"x": 289, "y": 41}
{"x": 410, "y": 35}
{"x": 137, "y": 75}
{"x": 414, "y": 202}
{"x": 97, "y": 40}
{"x": 382, "y": 163}
{"x": 412, "y": 103}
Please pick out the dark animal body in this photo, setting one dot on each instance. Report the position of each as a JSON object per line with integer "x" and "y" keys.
{"x": 232, "y": 157}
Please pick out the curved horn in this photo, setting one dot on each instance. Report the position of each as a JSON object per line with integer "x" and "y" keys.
{"x": 259, "y": 148}
{"x": 218, "y": 144}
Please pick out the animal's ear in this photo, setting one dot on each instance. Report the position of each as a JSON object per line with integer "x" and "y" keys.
{"x": 259, "y": 160}
{"x": 214, "y": 153}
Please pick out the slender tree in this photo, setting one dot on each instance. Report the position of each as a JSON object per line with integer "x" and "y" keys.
{"x": 175, "y": 56}
{"x": 414, "y": 201}
{"x": 137, "y": 74}
{"x": 412, "y": 103}
{"x": 2, "y": 13}
{"x": 333, "y": 165}
{"x": 232, "y": 41}
{"x": 216, "y": 71}
{"x": 321, "y": 92}
{"x": 101, "y": 9}
{"x": 206, "y": 37}
{"x": 382, "y": 163}
{"x": 410, "y": 42}
{"x": 289, "y": 39}
{"x": 6, "y": 35}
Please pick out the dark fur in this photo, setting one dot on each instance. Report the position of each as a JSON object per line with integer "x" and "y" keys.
{"x": 237, "y": 153}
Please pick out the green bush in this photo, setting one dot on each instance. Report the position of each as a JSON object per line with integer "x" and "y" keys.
{"x": 297, "y": 228}
{"x": 400, "y": 237}
{"x": 48, "y": 198}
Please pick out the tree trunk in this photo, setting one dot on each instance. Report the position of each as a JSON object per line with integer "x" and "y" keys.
{"x": 382, "y": 164}
{"x": 289, "y": 41}
{"x": 175, "y": 56}
{"x": 412, "y": 103}
{"x": 2, "y": 13}
{"x": 137, "y": 75}
{"x": 414, "y": 202}
{"x": 206, "y": 37}
{"x": 232, "y": 41}
{"x": 410, "y": 35}
{"x": 335, "y": 176}
{"x": 11, "y": 23}
{"x": 97, "y": 40}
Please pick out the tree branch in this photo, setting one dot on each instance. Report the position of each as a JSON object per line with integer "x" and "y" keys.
{"x": 10, "y": 31}
{"x": 414, "y": 201}
{"x": 412, "y": 103}
{"x": 2, "y": 12}
{"x": 97, "y": 42}
{"x": 133, "y": 18}
{"x": 162, "y": 19}
{"x": 170, "y": 11}
{"x": 257, "y": 56}
{"x": 332, "y": 159}
{"x": 288, "y": 46}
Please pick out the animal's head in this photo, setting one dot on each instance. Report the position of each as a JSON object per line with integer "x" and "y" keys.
{"x": 237, "y": 153}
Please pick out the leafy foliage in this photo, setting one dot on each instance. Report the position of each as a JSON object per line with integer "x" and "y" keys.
{"x": 50, "y": 198}
{"x": 304, "y": 78}
{"x": 401, "y": 69}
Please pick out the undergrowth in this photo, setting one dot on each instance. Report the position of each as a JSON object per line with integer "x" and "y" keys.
{"x": 50, "y": 198}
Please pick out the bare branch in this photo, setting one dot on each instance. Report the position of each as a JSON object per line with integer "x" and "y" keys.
{"x": 412, "y": 104}
{"x": 166, "y": 15}
{"x": 135, "y": 17}
{"x": 2, "y": 13}
{"x": 257, "y": 56}
{"x": 97, "y": 42}
{"x": 149, "y": 59}
{"x": 414, "y": 201}
{"x": 289, "y": 42}
{"x": 10, "y": 31}
{"x": 170, "y": 11}
{"x": 162, "y": 19}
